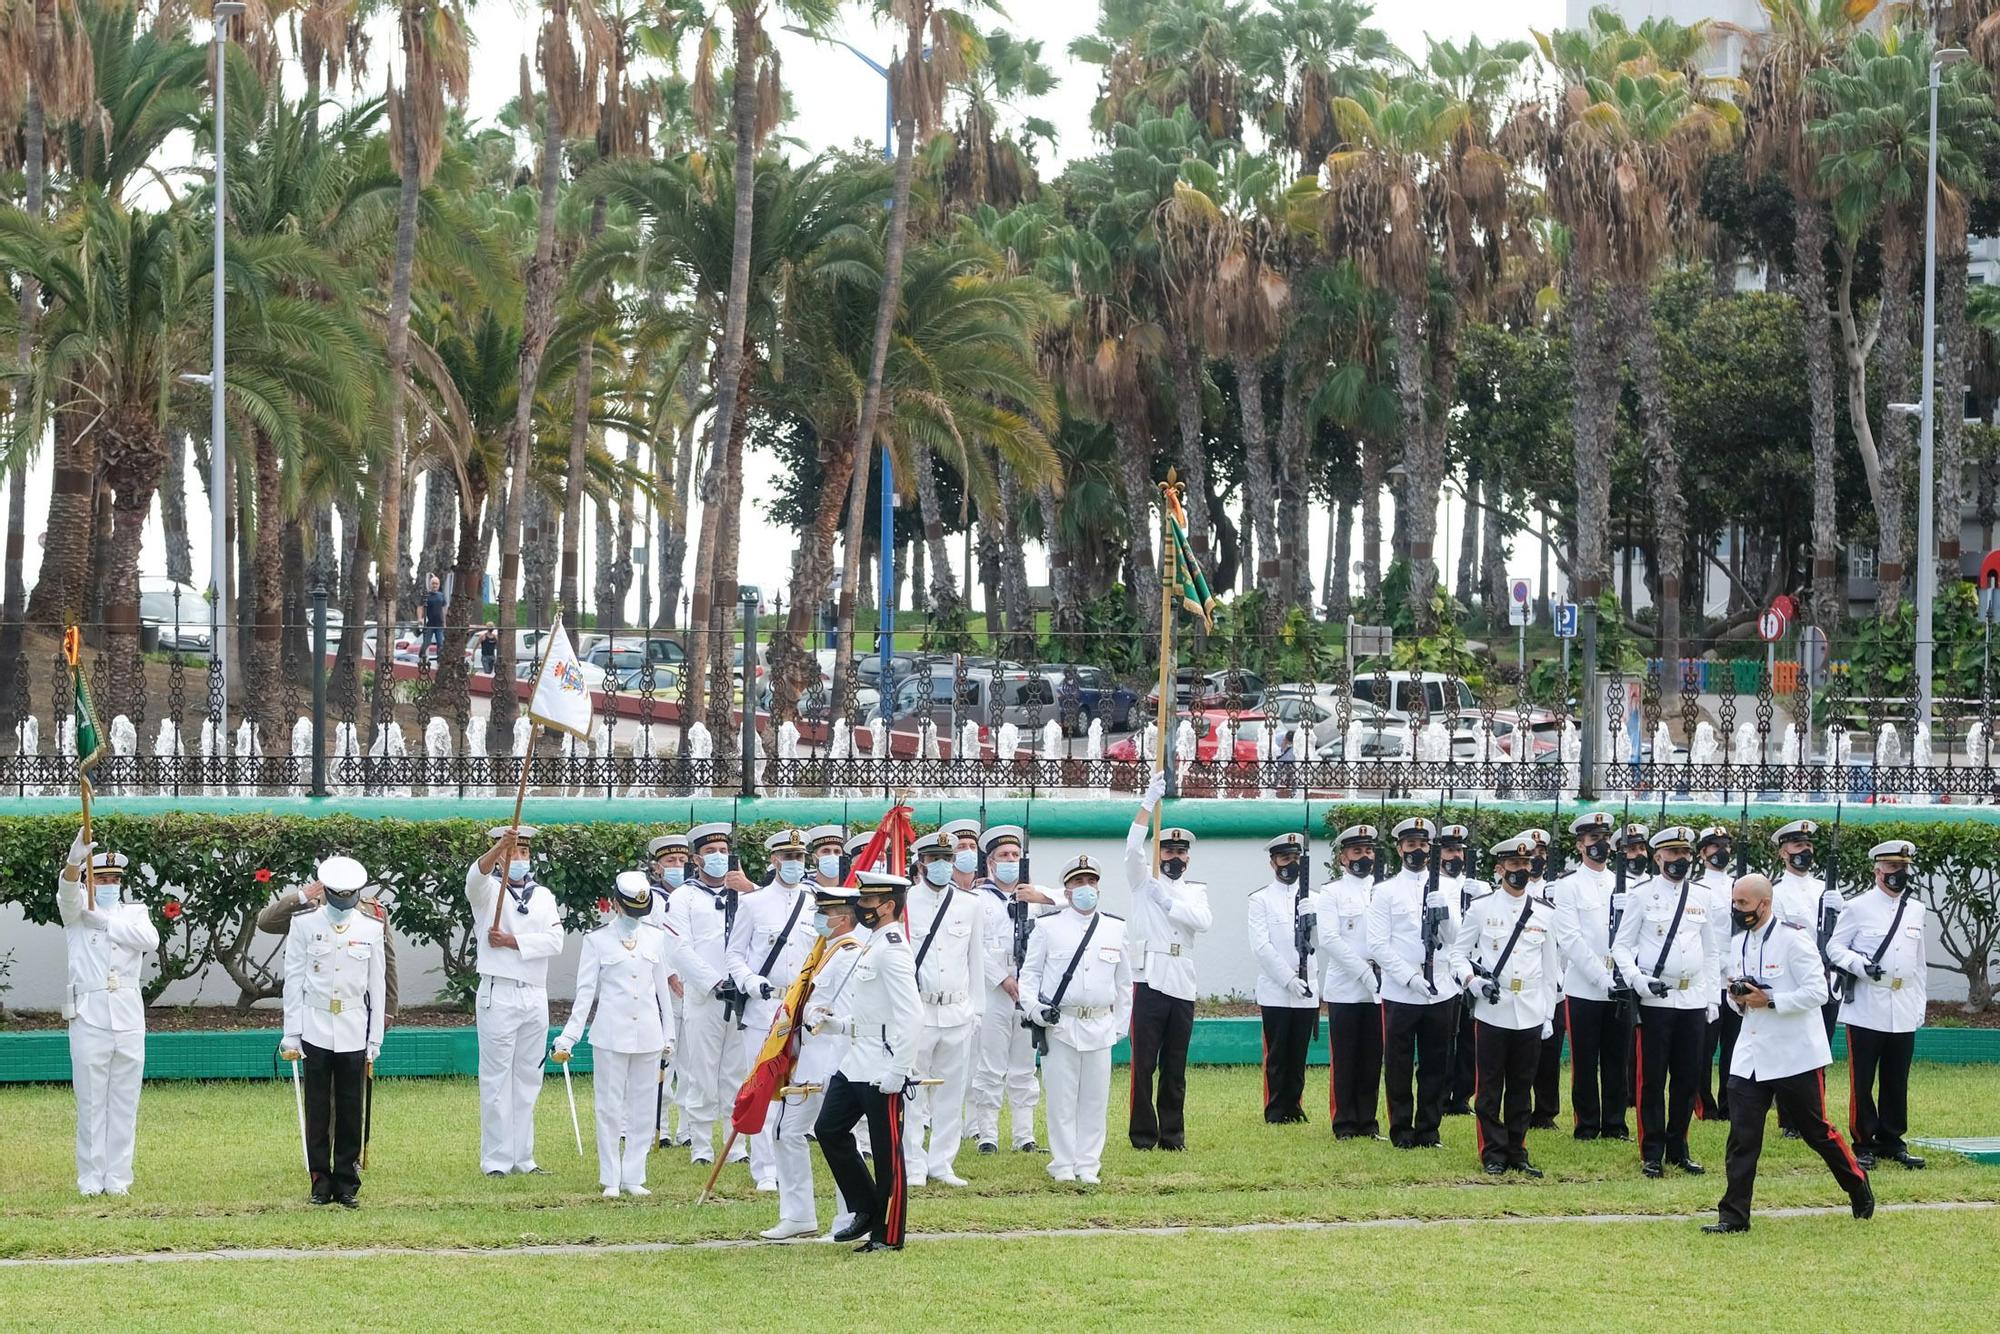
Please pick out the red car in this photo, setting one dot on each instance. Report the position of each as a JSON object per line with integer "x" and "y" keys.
{"x": 1209, "y": 725}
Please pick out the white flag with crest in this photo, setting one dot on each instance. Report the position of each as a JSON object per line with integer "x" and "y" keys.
{"x": 561, "y": 699}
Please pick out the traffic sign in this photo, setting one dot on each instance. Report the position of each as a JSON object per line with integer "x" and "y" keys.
{"x": 1521, "y": 591}
{"x": 1989, "y": 588}
{"x": 1771, "y": 626}
{"x": 1522, "y": 612}
{"x": 1785, "y": 607}
{"x": 1565, "y": 620}
{"x": 1369, "y": 641}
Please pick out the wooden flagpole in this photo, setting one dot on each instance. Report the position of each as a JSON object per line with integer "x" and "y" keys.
{"x": 1169, "y": 567}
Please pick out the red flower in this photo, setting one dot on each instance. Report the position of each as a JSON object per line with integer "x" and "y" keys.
{"x": 263, "y": 875}
{"x": 604, "y": 905}
{"x": 171, "y": 910}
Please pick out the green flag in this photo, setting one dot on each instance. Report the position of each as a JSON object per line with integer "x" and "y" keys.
{"x": 1193, "y": 587}
{"x": 89, "y": 740}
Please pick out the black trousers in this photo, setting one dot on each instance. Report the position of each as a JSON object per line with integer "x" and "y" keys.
{"x": 1718, "y": 1045}
{"x": 1600, "y": 1044}
{"x": 1802, "y": 1097}
{"x": 1548, "y": 1071}
{"x": 1829, "y": 1015}
{"x": 1161, "y": 1028}
{"x": 884, "y": 1196}
{"x": 334, "y": 1082}
{"x": 1354, "y": 1058}
{"x": 1417, "y": 1039}
{"x": 1667, "y": 1058}
{"x": 1464, "y": 1075}
{"x": 1506, "y": 1061}
{"x": 1288, "y": 1032}
{"x": 1878, "y": 1121}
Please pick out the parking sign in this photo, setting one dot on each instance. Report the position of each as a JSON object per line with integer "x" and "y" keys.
{"x": 1565, "y": 620}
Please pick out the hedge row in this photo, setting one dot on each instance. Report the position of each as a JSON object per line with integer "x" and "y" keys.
{"x": 206, "y": 876}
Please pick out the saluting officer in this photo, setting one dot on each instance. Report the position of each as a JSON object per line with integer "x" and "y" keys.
{"x": 1714, "y": 847}
{"x": 335, "y": 1000}
{"x": 770, "y": 941}
{"x": 1168, "y": 912}
{"x": 1005, "y": 1059}
{"x": 1287, "y": 990}
{"x": 886, "y": 1019}
{"x": 667, "y": 861}
{"x": 1599, "y": 1013}
{"x": 512, "y": 1009}
{"x": 1778, "y": 981}
{"x": 1669, "y": 949}
{"x": 622, "y": 972}
{"x": 107, "y": 941}
{"x": 1080, "y": 979}
{"x": 1879, "y": 944}
{"x": 700, "y": 918}
{"x": 1347, "y": 985}
{"x": 275, "y": 918}
{"x": 1410, "y": 933}
{"x": 950, "y": 941}
{"x": 1507, "y": 948}
{"x": 1453, "y": 878}
{"x": 827, "y": 1020}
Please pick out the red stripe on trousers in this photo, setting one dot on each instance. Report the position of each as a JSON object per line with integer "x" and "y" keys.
{"x": 1639, "y": 1086}
{"x": 892, "y": 1227}
{"x": 1265, "y": 1065}
{"x": 1132, "y": 1084}
{"x": 1575, "y": 1070}
{"x": 1478, "y": 1129}
{"x": 1845, "y": 1152}
{"x": 1332, "y": 1103}
{"x": 1853, "y": 1128}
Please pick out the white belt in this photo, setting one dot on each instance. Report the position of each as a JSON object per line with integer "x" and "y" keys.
{"x": 1171, "y": 951}
{"x": 944, "y": 997}
{"x": 491, "y": 979}
{"x": 330, "y": 1004}
{"x": 1087, "y": 1012}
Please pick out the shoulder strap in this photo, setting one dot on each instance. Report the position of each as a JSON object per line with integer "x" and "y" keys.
{"x": 1514, "y": 936}
{"x": 1074, "y": 960}
{"x": 1902, "y": 902}
{"x": 1673, "y": 929}
{"x": 778, "y": 945}
{"x": 944, "y": 906}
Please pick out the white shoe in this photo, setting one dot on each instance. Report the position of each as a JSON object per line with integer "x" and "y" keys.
{"x": 611, "y": 1192}
{"x": 740, "y": 1156}
{"x": 785, "y": 1231}
{"x": 639, "y": 1191}
{"x": 916, "y": 1181}
{"x": 1061, "y": 1176}
{"x": 118, "y": 1190}
{"x": 90, "y": 1192}
{"x": 767, "y": 1184}
{"x": 949, "y": 1178}
{"x": 1087, "y": 1178}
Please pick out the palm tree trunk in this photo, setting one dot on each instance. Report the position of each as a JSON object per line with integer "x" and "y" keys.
{"x": 579, "y": 439}
{"x": 1262, "y": 543}
{"x": 538, "y": 301}
{"x": 722, "y": 612}
{"x": 1339, "y": 560}
{"x": 1892, "y": 351}
{"x": 674, "y": 527}
{"x": 945, "y": 608}
{"x": 539, "y": 523}
{"x": 1950, "y": 411}
{"x": 1809, "y": 222}
{"x": 440, "y": 524}
{"x": 344, "y": 685}
{"x": 64, "y": 582}
{"x": 1135, "y": 479}
{"x": 1423, "y": 458}
{"x": 13, "y": 603}
{"x": 1493, "y": 552}
{"x": 1186, "y": 371}
{"x": 614, "y": 549}
{"x": 1664, "y": 465}
{"x": 794, "y": 669}
{"x": 261, "y": 682}
{"x": 1294, "y": 469}
{"x": 449, "y": 691}
{"x": 1372, "y": 469}
{"x": 1468, "y": 538}
{"x": 296, "y": 644}
{"x": 1590, "y": 370}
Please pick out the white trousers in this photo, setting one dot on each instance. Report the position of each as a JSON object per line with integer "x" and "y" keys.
{"x": 106, "y": 1066}
{"x": 1079, "y": 1087}
{"x": 945, "y": 1054}
{"x": 513, "y": 1023}
{"x": 673, "y": 1104}
{"x": 1004, "y": 1065}
{"x": 788, "y": 1124}
{"x": 622, "y": 1087}
{"x": 712, "y": 1065}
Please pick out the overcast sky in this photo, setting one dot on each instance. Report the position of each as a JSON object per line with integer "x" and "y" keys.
{"x": 839, "y": 102}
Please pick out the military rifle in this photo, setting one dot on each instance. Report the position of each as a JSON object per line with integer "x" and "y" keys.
{"x": 1435, "y": 914}
{"x": 1829, "y": 913}
{"x": 1622, "y": 994}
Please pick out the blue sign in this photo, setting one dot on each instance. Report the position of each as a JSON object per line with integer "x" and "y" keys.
{"x": 1565, "y": 619}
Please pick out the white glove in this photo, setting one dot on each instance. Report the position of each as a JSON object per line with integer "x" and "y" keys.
{"x": 1301, "y": 988}
{"x": 79, "y": 851}
{"x": 374, "y": 1052}
{"x": 1548, "y": 1029}
{"x": 289, "y": 1048}
{"x": 666, "y": 1053}
{"x": 1712, "y": 1012}
{"x": 94, "y": 920}
{"x": 819, "y": 1019}
{"x": 891, "y": 1085}
{"x": 563, "y": 1046}
{"x": 1154, "y": 791}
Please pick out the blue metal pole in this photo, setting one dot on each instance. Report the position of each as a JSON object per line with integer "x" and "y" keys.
{"x": 887, "y": 599}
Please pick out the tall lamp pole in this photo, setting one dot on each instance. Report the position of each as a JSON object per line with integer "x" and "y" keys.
{"x": 1926, "y": 464}
{"x": 218, "y": 500}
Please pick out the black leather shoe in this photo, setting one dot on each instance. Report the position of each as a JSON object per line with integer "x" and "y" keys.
{"x": 1170, "y": 1148}
{"x": 988, "y": 1146}
{"x": 868, "y": 1246}
{"x": 1789, "y": 1133}
{"x": 1542, "y": 1123}
{"x": 349, "y": 1202}
{"x": 1585, "y": 1135}
{"x": 1457, "y": 1109}
{"x": 1621, "y": 1134}
{"x": 496, "y": 1173}
{"x": 1494, "y": 1169}
{"x": 1691, "y": 1167}
{"x": 1528, "y": 1170}
{"x": 1724, "y": 1229}
{"x": 1910, "y": 1161}
{"x": 1863, "y": 1204}
{"x": 1653, "y": 1170}
{"x": 1867, "y": 1161}
{"x": 1029, "y": 1146}
{"x": 854, "y": 1231}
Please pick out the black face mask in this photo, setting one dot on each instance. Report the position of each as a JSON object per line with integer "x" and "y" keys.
{"x": 1742, "y": 921}
{"x": 1452, "y": 865}
{"x": 1896, "y": 880}
{"x": 1538, "y": 867}
{"x": 1517, "y": 879}
{"x": 1799, "y": 861}
{"x": 1416, "y": 859}
{"x": 1676, "y": 870}
{"x": 1288, "y": 873}
{"x": 1597, "y": 850}
{"x": 1718, "y": 858}
{"x": 1173, "y": 868}
{"x": 1362, "y": 866}
{"x": 1635, "y": 865}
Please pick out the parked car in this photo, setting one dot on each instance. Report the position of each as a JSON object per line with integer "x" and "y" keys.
{"x": 1221, "y": 690}
{"x": 1026, "y": 698}
{"x": 666, "y": 680}
{"x": 1081, "y": 702}
{"x": 631, "y": 650}
{"x": 1209, "y": 725}
{"x": 1290, "y": 710}
{"x": 183, "y": 628}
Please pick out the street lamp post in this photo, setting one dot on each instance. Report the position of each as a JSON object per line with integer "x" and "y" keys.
{"x": 218, "y": 501}
{"x": 1926, "y": 591}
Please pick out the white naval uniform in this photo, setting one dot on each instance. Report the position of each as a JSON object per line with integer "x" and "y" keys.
{"x": 1396, "y": 941}
{"x": 1690, "y": 958}
{"x": 1528, "y": 981}
{"x": 1342, "y": 908}
{"x": 791, "y": 1119}
{"x": 1004, "y": 1067}
{"x": 335, "y": 981}
{"x": 1166, "y": 917}
{"x": 623, "y": 973}
{"x": 1271, "y": 919}
{"x": 710, "y": 1067}
{"x": 1583, "y": 931}
{"x": 1785, "y": 1037}
{"x": 667, "y": 1097}
{"x": 760, "y": 918}
{"x": 954, "y": 968}
{"x": 512, "y": 1015}
{"x": 106, "y": 1010}
{"x": 1795, "y": 899}
{"x": 1895, "y": 1004}
{"x": 1095, "y": 1007}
